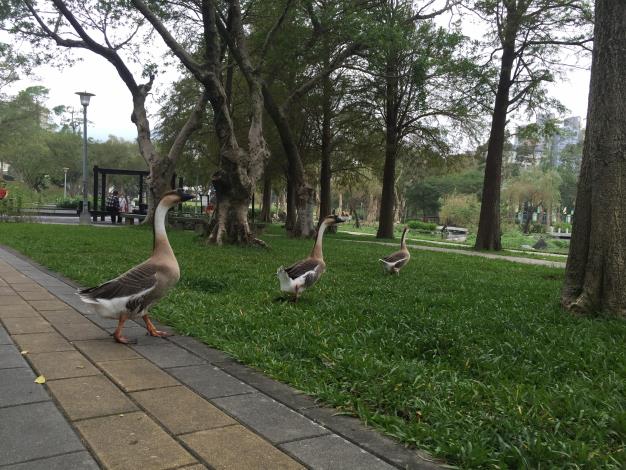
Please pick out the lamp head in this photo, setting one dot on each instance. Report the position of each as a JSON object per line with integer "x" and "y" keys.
{"x": 84, "y": 97}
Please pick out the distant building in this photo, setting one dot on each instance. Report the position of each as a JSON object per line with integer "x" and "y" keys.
{"x": 570, "y": 134}
{"x": 530, "y": 152}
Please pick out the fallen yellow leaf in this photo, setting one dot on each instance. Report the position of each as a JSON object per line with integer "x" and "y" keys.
{"x": 40, "y": 380}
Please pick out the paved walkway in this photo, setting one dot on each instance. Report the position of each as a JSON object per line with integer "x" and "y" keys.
{"x": 160, "y": 404}
{"x": 480, "y": 254}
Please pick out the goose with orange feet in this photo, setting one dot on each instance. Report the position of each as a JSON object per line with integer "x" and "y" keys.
{"x": 131, "y": 294}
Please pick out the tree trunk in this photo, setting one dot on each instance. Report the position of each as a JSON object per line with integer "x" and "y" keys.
{"x": 290, "y": 221}
{"x": 303, "y": 192}
{"x": 158, "y": 181}
{"x": 266, "y": 209}
{"x": 529, "y": 218}
{"x": 488, "y": 236}
{"x": 325, "y": 168}
{"x": 595, "y": 276}
{"x": 387, "y": 199}
{"x": 372, "y": 209}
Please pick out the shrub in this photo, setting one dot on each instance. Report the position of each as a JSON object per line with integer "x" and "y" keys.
{"x": 460, "y": 209}
{"x": 68, "y": 203}
{"x": 538, "y": 228}
{"x": 419, "y": 225}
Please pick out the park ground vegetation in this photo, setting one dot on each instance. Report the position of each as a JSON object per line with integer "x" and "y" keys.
{"x": 481, "y": 371}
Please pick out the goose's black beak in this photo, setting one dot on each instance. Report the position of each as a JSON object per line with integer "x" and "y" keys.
{"x": 340, "y": 220}
{"x": 186, "y": 197}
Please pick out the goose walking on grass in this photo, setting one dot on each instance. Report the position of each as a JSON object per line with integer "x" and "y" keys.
{"x": 132, "y": 293}
{"x": 395, "y": 261}
{"x": 303, "y": 274}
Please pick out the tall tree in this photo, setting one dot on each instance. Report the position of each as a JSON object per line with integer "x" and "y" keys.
{"x": 527, "y": 38}
{"x": 111, "y": 31}
{"x": 418, "y": 77}
{"x": 241, "y": 167}
{"x": 595, "y": 276}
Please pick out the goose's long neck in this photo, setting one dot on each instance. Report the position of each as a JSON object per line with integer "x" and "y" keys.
{"x": 161, "y": 242}
{"x": 403, "y": 240}
{"x": 317, "y": 248}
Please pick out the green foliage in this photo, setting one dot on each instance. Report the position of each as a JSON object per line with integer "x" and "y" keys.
{"x": 419, "y": 225}
{"x": 69, "y": 203}
{"x": 426, "y": 195}
{"x": 469, "y": 358}
{"x": 461, "y": 210}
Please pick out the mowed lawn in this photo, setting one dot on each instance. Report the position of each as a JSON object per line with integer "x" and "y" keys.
{"x": 468, "y": 358}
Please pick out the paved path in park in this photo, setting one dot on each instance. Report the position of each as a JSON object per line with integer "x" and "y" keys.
{"x": 513, "y": 259}
{"x": 159, "y": 404}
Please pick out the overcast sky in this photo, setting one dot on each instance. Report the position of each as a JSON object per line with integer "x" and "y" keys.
{"x": 109, "y": 111}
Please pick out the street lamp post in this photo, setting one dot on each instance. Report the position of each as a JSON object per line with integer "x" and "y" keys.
{"x": 84, "y": 214}
{"x": 65, "y": 183}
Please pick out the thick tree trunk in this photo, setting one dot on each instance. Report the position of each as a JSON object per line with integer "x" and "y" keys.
{"x": 159, "y": 182}
{"x": 488, "y": 236}
{"x": 595, "y": 277}
{"x": 266, "y": 204}
{"x": 387, "y": 199}
{"x": 231, "y": 212}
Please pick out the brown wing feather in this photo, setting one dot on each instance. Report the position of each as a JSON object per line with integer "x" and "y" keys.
{"x": 395, "y": 257}
{"x": 301, "y": 267}
{"x": 132, "y": 282}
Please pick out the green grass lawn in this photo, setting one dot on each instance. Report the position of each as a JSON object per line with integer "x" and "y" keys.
{"x": 468, "y": 358}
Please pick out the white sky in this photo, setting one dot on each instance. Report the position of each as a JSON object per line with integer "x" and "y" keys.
{"x": 109, "y": 111}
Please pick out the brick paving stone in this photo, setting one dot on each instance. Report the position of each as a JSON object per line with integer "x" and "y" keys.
{"x": 236, "y": 448}
{"x": 272, "y": 420}
{"x": 5, "y": 290}
{"x": 48, "y": 305}
{"x": 165, "y": 354}
{"x": 36, "y": 295}
{"x": 133, "y": 441}
{"x": 74, "y": 301}
{"x": 42, "y": 342}
{"x": 369, "y": 439}
{"x": 57, "y": 317}
{"x": 10, "y": 357}
{"x": 181, "y": 411}
{"x": 34, "y": 431}
{"x": 27, "y": 287}
{"x": 334, "y": 453}
{"x": 62, "y": 365}
{"x": 74, "y": 461}
{"x": 104, "y": 322}
{"x": 18, "y": 311}
{"x": 283, "y": 393}
{"x": 83, "y": 331}
{"x": 17, "y": 326}
{"x": 17, "y": 387}
{"x": 15, "y": 278}
{"x": 132, "y": 332}
{"x": 11, "y": 300}
{"x": 4, "y": 336}
{"x": 137, "y": 374}
{"x": 209, "y": 381}
{"x": 89, "y": 397}
{"x": 201, "y": 349}
{"x": 105, "y": 350}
